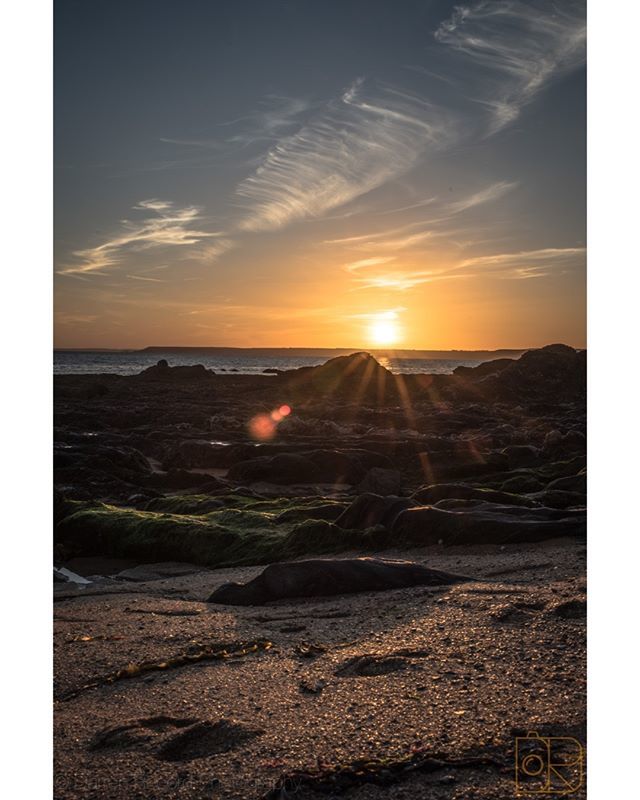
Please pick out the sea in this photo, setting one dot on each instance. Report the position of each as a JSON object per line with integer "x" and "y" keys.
{"x": 256, "y": 361}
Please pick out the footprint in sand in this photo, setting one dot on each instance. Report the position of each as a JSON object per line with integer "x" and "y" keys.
{"x": 201, "y": 738}
{"x": 206, "y": 739}
{"x": 370, "y": 666}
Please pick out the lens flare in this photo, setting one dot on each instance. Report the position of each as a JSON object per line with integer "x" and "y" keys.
{"x": 263, "y": 427}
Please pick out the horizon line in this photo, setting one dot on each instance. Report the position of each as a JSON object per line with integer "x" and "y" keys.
{"x": 168, "y": 348}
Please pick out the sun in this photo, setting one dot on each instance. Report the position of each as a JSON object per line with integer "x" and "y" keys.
{"x": 384, "y": 332}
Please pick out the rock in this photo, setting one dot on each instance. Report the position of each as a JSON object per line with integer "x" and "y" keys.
{"x": 482, "y": 370}
{"x": 521, "y": 484}
{"x": 96, "y": 390}
{"x": 195, "y": 454}
{"x": 430, "y": 495}
{"x": 283, "y": 468}
{"x": 381, "y": 481}
{"x": 163, "y": 372}
{"x": 337, "y": 466}
{"x": 358, "y": 375}
{"x": 555, "y": 372}
{"x": 552, "y": 439}
{"x": 559, "y": 498}
{"x": 369, "y": 510}
{"x": 521, "y": 455}
{"x": 570, "y": 483}
{"x": 177, "y": 479}
{"x": 312, "y": 687}
{"x": 156, "y": 572}
{"x": 315, "y": 466}
{"x": 485, "y": 524}
{"x": 324, "y": 577}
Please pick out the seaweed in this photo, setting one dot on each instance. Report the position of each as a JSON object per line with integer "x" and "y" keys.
{"x": 216, "y": 653}
{"x": 340, "y": 778}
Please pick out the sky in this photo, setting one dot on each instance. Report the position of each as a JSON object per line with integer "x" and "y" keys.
{"x": 319, "y": 173}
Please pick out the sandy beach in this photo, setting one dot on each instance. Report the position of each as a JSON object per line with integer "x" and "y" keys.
{"x": 457, "y": 671}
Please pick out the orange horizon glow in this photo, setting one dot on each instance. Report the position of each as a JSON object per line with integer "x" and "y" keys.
{"x": 328, "y": 305}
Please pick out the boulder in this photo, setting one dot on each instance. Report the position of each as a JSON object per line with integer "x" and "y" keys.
{"x": 325, "y": 577}
{"x": 316, "y": 466}
{"x": 284, "y": 468}
{"x": 157, "y": 572}
{"x": 570, "y": 483}
{"x": 555, "y": 373}
{"x": 163, "y": 372}
{"x": 485, "y": 524}
{"x": 381, "y": 481}
{"x": 357, "y": 376}
{"x": 370, "y": 510}
{"x": 482, "y": 370}
{"x": 521, "y": 455}
{"x": 430, "y": 495}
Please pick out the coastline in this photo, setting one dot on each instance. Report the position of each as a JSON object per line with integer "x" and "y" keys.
{"x": 174, "y": 481}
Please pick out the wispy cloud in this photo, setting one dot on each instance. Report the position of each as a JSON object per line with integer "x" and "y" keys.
{"x": 420, "y": 204}
{"x": 353, "y": 266}
{"x": 416, "y": 233}
{"x": 517, "y": 47}
{"x": 67, "y": 318}
{"x": 396, "y": 281}
{"x": 354, "y": 145}
{"x": 168, "y": 226}
{"x": 506, "y": 266}
{"x": 274, "y": 117}
{"x": 145, "y": 278}
{"x": 486, "y": 195}
{"x": 527, "y": 264}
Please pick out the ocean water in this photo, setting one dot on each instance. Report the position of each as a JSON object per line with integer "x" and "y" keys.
{"x": 251, "y": 362}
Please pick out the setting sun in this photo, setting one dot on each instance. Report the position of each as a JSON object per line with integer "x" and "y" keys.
{"x": 384, "y": 332}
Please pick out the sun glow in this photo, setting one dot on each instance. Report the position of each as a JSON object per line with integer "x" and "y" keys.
{"x": 384, "y": 332}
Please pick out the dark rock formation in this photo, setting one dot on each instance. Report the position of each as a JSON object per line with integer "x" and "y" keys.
{"x": 283, "y": 468}
{"x": 482, "y": 370}
{"x": 369, "y": 510}
{"x": 163, "y": 372}
{"x": 556, "y": 372}
{"x": 429, "y": 495}
{"x": 485, "y": 524}
{"x": 381, "y": 481}
{"x": 315, "y": 466}
{"x": 356, "y": 376}
{"x": 324, "y": 577}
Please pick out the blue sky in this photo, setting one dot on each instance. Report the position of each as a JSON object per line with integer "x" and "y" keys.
{"x": 289, "y": 173}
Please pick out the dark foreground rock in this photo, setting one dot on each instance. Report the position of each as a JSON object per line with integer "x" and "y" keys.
{"x": 324, "y": 577}
{"x": 487, "y": 523}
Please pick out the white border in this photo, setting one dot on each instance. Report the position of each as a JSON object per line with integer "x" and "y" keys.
{"x": 614, "y": 390}
{"x": 26, "y": 145}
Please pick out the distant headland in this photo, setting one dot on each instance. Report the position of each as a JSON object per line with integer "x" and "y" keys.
{"x": 328, "y": 352}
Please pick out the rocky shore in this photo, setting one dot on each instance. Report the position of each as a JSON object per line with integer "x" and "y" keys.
{"x": 173, "y": 482}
